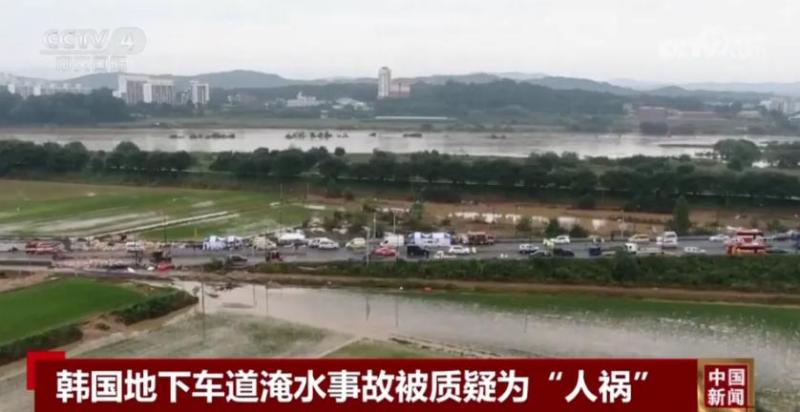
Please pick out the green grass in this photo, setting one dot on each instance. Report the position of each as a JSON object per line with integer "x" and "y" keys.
{"x": 32, "y": 310}
{"x": 380, "y": 349}
{"x": 780, "y": 319}
{"x": 48, "y": 208}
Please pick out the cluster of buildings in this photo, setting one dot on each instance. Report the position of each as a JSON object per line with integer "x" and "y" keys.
{"x": 786, "y": 105}
{"x": 388, "y": 88}
{"x": 135, "y": 89}
{"x": 303, "y": 101}
{"x": 27, "y": 88}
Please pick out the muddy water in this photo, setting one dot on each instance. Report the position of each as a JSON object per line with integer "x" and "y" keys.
{"x": 534, "y": 334}
{"x": 472, "y": 143}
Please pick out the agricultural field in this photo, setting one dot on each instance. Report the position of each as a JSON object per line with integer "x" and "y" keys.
{"x": 61, "y": 302}
{"x": 48, "y": 208}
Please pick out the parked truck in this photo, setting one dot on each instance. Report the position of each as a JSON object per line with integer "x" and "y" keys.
{"x": 479, "y": 239}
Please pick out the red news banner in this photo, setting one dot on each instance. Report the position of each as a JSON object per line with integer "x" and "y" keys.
{"x": 244, "y": 385}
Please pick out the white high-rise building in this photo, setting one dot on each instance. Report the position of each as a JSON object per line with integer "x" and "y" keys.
{"x": 135, "y": 89}
{"x": 384, "y": 82}
{"x": 200, "y": 92}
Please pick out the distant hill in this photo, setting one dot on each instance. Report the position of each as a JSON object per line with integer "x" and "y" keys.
{"x": 475, "y": 78}
{"x": 573, "y": 83}
{"x": 675, "y": 91}
{"x": 637, "y": 84}
{"x": 237, "y": 79}
{"x": 788, "y": 89}
{"x": 96, "y": 80}
{"x": 250, "y": 79}
{"x": 234, "y": 79}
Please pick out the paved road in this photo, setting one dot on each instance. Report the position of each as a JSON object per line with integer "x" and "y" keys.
{"x": 508, "y": 250}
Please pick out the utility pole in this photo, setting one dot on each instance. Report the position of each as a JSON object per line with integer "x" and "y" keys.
{"x": 280, "y": 207}
{"x": 394, "y": 233}
{"x": 203, "y": 307}
{"x": 367, "y": 245}
{"x": 374, "y": 225}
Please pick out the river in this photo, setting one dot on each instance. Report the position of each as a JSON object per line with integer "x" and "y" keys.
{"x": 362, "y": 141}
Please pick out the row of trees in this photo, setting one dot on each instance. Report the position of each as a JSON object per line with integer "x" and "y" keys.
{"x": 740, "y": 153}
{"x": 63, "y": 108}
{"x": 457, "y": 99}
{"x": 651, "y": 182}
{"x": 74, "y": 157}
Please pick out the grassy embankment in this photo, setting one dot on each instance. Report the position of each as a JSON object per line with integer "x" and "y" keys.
{"x": 58, "y": 303}
{"x": 52, "y": 314}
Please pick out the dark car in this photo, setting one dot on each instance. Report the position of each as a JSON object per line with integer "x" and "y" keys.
{"x": 236, "y": 260}
{"x": 541, "y": 253}
{"x": 595, "y": 251}
{"x": 417, "y": 251}
{"x": 559, "y": 252}
{"x": 776, "y": 251}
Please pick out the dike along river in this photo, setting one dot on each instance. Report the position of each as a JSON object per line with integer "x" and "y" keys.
{"x": 362, "y": 141}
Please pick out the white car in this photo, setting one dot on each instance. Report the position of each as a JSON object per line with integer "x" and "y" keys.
{"x": 327, "y": 244}
{"x": 639, "y": 238}
{"x": 561, "y": 240}
{"x": 669, "y": 240}
{"x": 314, "y": 242}
{"x": 440, "y": 255}
{"x": 357, "y": 243}
{"x": 722, "y": 238}
{"x": 694, "y": 250}
{"x": 527, "y": 248}
{"x": 459, "y": 250}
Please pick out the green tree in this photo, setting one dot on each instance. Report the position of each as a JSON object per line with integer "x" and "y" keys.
{"x": 524, "y": 225}
{"x": 578, "y": 231}
{"x": 681, "y": 222}
{"x": 553, "y": 228}
{"x": 416, "y": 212}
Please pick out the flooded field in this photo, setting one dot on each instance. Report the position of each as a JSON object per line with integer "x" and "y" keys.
{"x": 535, "y": 333}
{"x": 460, "y": 143}
{"x": 252, "y": 320}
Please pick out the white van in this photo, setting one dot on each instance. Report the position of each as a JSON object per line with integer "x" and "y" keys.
{"x": 392, "y": 240}
{"x": 292, "y": 238}
{"x": 134, "y": 247}
{"x": 668, "y": 240}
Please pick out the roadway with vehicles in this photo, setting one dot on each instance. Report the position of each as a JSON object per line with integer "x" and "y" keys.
{"x": 502, "y": 249}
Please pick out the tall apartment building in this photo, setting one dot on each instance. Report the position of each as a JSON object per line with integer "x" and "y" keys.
{"x": 200, "y": 92}
{"x": 135, "y": 89}
{"x": 384, "y": 82}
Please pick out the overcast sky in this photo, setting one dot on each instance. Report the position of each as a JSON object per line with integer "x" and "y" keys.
{"x": 665, "y": 41}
